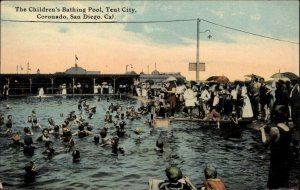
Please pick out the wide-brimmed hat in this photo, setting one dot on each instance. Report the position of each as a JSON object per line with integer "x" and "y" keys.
{"x": 171, "y": 78}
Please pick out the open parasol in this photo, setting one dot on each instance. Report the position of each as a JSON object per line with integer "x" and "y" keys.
{"x": 279, "y": 76}
{"x": 219, "y": 79}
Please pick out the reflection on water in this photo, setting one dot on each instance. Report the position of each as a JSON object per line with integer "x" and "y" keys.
{"x": 242, "y": 162}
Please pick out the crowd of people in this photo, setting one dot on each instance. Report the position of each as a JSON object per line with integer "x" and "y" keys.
{"x": 212, "y": 101}
{"x": 206, "y": 101}
{"x": 219, "y": 101}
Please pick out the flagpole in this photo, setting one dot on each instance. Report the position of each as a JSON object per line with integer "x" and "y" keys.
{"x": 76, "y": 59}
{"x": 17, "y": 69}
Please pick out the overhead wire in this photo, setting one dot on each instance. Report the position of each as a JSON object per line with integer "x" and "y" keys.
{"x": 154, "y": 21}
{"x": 100, "y": 22}
{"x": 243, "y": 31}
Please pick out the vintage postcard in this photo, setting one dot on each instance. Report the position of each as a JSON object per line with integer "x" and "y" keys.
{"x": 116, "y": 94}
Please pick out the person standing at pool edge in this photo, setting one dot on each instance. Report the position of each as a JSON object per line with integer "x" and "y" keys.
{"x": 171, "y": 96}
{"x": 279, "y": 139}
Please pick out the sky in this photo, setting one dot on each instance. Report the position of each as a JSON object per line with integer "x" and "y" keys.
{"x": 171, "y": 46}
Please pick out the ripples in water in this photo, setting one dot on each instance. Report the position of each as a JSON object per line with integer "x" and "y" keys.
{"x": 188, "y": 145}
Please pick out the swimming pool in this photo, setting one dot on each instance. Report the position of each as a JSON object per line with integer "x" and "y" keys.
{"x": 242, "y": 163}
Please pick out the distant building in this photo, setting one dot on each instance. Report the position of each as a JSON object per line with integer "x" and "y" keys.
{"x": 79, "y": 71}
{"x": 131, "y": 73}
{"x": 158, "y": 77}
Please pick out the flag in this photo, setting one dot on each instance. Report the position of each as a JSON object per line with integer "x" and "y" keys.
{"x": 76, "y": 58}
{"x": 28, "y": 68}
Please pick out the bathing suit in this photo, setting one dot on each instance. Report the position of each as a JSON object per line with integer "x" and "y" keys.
{"x": 167, "y": 185}
{"x": 214, "y": 184}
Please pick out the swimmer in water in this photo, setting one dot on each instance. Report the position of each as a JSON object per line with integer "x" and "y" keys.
{"x": 9, "y": 124}
{"x": 159, "y": 146}
{"x": 79, "y": 120}
{"x": 93, "y": 109}
{"x": 45, "y": 135}
{"x": 90, "y": 115}
{"x": 51, "y": 121}
{"x": 49, "y": 152}
{"x": 137, "y": 131}
{"x": 16, "y": 141}
{"x": 34, "y": 123}
{"x": 115, "y": 146}
{"x": 96, "y": 139}
{"x": 55, "y": 131}
{"x": 110, "y": 118}
{"x": 122, "y": 116}
{"x": 176, "y": 180}
{"x": 1, "y": 119}
{"x": 31, "y": 172}
{"x": 106, "y": 116}
{"x": 29, "y": 119}
{"x": 82, "y": 131}
{"x": 79, "y": 105}
{"x": 27, "y": 131}
{"x": 76, "y": 156}
{"x": 211, "y": 181}
{"x": 104, "y": 139}
{"x": 120, "y": 132}
{"x": 28, "y": 149}
{"x": 67, "y": 138}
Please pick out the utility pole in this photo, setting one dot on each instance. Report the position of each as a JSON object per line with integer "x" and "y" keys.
{"x": 198, "y": 48}
{"x": 197, "y": 53}
{"x": 28, "y": 68}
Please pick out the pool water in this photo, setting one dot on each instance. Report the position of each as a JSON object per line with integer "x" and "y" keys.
{"x": 242, "y": 162}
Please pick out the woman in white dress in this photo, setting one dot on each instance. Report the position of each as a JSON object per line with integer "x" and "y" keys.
{"x": 190, "y": 99}
{"x": 247, "y": 108}
{"x": 64, "y": 89}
